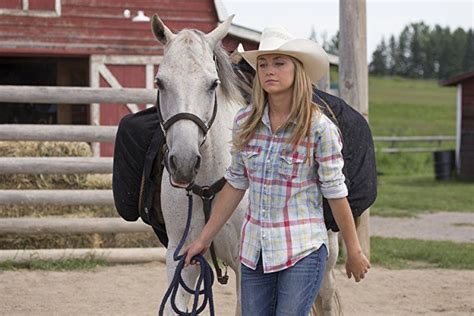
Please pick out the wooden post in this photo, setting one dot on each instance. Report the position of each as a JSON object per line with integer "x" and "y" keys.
{"x": 353, "y": 76}
{"x": 94, "y": 107}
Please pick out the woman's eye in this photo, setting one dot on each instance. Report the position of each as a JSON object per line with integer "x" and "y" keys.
{"x": 262, "y": 65}
{"x": 280, "y": 64}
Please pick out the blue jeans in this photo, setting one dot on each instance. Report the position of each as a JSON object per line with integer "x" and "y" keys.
{"x": 287, "y": 292}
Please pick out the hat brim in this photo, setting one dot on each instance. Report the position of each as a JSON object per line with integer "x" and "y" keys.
{"x": 314, "y": 59}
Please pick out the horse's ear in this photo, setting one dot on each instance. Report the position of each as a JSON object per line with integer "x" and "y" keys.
{"x": 219, "y": 32}
{"x": 161, "y": 31}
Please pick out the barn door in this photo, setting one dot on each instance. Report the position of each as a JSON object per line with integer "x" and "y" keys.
{"x": 117, "y": 71}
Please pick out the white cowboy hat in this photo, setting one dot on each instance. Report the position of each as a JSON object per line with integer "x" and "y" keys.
{"x": 277, "y": 40}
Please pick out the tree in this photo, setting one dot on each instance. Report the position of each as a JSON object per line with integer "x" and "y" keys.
{"x": 378, "y": 66}
{"x": 313, "y": 35}
{"x": 392, "y": 57}
{"x": 459, "y": 42}
{"x": 415, "y": 57}
{"x": 333, "y": 45}
{"x": 403, "y": 52}
{"x": 468, "y": 60}
{"x": 424, "y": 52}
{"x": 446, "y": 62}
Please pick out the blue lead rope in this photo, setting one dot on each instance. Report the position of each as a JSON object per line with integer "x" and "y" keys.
{"x": 206, "y": 276}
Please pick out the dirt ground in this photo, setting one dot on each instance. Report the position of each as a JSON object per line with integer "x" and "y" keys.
{"x": 137, "y": 290}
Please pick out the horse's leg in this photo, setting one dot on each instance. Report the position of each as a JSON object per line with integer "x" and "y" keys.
{"x": 227, "y": 247}
{"x": 189, "y": 275}
{"x": 235, "y": 266}
{"x": 327, "y": 302}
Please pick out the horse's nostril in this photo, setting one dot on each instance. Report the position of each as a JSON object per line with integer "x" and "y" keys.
{"x": 173, "y": 162}
{"x": 197, "y": 165}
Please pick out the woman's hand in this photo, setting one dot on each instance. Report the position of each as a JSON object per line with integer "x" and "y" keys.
{"x": 195, "y": 248}
{"x": 357, "y": 265}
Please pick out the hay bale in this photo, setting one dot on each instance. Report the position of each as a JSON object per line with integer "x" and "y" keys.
{"x": 92, "y": 181}
{"x": 44, "y": 149}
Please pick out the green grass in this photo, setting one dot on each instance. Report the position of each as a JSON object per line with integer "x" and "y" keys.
{"x": 407, "y": 186}
{"x": 404, "y": 107}
{"x": 394, "y": 253}
{"x": 412, "y": 194}
{"x": 85, "y": 264}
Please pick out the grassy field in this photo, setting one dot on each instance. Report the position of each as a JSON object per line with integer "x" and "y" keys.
{"x": 394, "y": 253}
{"x": 408, "y": 107}
{"x": 399, "y": 106}
{"x": 86, "y": 264}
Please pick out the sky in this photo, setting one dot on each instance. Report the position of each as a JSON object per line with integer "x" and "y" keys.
{"x": 384, "y": 17}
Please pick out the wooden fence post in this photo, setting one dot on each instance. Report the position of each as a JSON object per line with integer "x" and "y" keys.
{"x": 353, "y": 76}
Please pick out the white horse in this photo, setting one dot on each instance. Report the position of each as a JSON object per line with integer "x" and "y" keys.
{"x": 194, "y": 76}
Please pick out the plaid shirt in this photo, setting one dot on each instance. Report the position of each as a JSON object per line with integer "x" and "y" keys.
{"x": 284, "y": 221}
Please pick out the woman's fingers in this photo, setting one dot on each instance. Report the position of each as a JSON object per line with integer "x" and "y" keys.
{"x": 187, "y": 261}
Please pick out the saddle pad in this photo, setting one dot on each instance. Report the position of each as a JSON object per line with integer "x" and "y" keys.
{"x": 138, "y": 143}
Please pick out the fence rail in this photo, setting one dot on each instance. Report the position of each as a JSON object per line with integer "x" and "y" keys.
{"x": 414, "y": 138}
{"x": 33, "y": 226}
{"x": 51, "y": 133}
{"x": 56, "y": 197}
{"x": 75, "y": 95}
{"x": 394, "y": 140}
{"x": 55, "y": 165}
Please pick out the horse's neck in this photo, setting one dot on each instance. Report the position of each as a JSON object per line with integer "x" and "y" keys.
{"x": 216, "y": 150}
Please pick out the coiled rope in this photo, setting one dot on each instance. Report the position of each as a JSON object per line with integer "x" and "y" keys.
{"x": 206, "y": 277}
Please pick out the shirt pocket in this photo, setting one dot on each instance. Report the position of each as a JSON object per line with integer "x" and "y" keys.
{"x": 290, "y": 164}
{"x": 250, "y": 156}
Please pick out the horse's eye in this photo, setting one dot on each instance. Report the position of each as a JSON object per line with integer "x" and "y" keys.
{"x": 214, "y": 85}
{"x": 159, "y": 83}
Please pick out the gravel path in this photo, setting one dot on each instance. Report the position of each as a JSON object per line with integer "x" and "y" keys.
{"x": 458, "y": 227}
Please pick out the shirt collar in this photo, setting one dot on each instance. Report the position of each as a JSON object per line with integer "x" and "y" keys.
{"x": 266, "y": 117}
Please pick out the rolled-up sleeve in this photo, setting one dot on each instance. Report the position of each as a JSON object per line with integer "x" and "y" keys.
{"x": 236, "y": 174}
{"x": 328, "y": 156}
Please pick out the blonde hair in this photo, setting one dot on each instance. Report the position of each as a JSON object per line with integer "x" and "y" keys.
{"x": 302, "y": 109}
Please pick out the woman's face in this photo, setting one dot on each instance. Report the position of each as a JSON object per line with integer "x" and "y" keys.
{"x": 276, "y": 73}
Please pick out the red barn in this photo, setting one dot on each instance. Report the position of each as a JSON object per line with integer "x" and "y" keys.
{"x": 96, "y": 43}
{"x": 464, "y": 123}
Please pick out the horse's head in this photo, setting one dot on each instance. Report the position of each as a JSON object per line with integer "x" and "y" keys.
{"x": 187, "y": 80}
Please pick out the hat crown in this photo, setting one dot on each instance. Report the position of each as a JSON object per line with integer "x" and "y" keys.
{"x": 273, "y": 37}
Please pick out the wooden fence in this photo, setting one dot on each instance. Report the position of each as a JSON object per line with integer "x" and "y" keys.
{"x": 67, "y": 165}
{"x": 394, "y": 141}
{"x": 75, "y": 165}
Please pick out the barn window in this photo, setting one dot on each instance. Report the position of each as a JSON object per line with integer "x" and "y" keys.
{"x": 43, "y": 8}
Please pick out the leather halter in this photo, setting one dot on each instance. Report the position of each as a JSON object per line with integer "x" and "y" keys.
{"x": 165, "y": 125}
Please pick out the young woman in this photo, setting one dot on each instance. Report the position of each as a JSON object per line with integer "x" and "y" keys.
{"x": 288, "y": 154}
